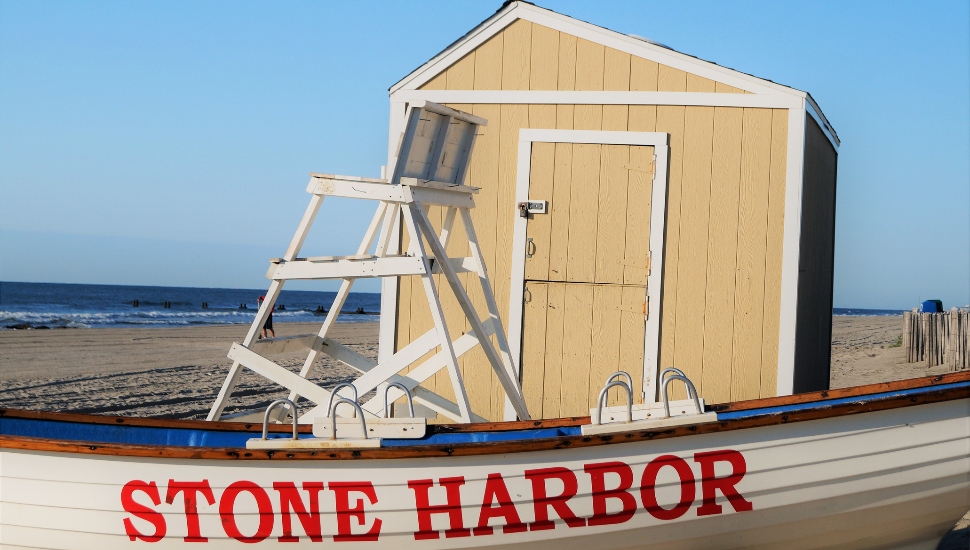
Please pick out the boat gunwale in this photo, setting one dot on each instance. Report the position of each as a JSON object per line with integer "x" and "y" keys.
{"x": 776, "y": 414}
{"x": 514, "y": 425}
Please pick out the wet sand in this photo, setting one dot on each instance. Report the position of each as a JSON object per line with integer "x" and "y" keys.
{"x": 177, "y": 372}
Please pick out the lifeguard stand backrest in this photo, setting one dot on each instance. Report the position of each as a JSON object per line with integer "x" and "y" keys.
{"x": 436, "y": 144}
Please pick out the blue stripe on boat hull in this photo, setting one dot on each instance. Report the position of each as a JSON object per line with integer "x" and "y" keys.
{"x": 186, "y": 437}
{"x": 868, "y": 398}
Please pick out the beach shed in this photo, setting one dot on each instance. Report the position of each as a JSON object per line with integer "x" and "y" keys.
{"x": 640, "y": 208}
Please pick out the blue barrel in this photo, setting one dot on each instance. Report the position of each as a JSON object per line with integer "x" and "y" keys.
{"x": 932, "y": 306}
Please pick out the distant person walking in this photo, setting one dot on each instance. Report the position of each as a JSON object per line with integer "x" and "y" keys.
{"x": 268, "y": 325}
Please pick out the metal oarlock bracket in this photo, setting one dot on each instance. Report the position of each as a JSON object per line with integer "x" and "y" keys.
{"x": 407, "y": 392}
{"x": 333, "y": 418}
{"x": 270, "y": 408}
{"x": 644, "y": 417}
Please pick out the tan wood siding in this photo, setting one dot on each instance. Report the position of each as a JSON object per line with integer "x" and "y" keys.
{"x": 751, "y": 253}
{"x": 692, "y": 257}
{"x": 813, "y": 329}
{"x": 724, "y": 241}
{"x": 575, "y": 335}
{"x": 528, "y": 50}
{"x": 595, "y": 236}
{"x": 606, "y": 241}
{"x": 725, "y": 206}
{"x": 722, "y": 254}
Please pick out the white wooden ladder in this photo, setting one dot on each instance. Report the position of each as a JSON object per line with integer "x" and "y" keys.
{"x": 432, "y": 159}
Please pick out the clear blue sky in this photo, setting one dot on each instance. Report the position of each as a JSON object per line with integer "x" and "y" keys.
{"x": 168, "y": 143}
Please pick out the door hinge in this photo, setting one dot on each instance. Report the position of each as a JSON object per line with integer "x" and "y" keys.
{"x": 648, "y": 169}
{"x": 633, "y": 309}
{"x": 645, "y": 264}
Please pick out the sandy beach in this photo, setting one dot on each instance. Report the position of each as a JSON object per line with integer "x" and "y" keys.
{"x": 866, "y": 350}
{"x": 177, "y": 372}
{"x": 155, "y": 372}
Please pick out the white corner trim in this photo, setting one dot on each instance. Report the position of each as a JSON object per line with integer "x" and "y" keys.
{"x": 791, "y": 244}
{"x": 554, "y": 97}
{"x": 658, "y": 216}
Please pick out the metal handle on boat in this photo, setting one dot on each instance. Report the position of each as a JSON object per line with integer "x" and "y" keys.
{"x": 270, "y": 409}
{"x": 334, "y": 391}
{"x": 691, "y": 392}
{"x": 407, "y": 392}
{"x": 629, "y": 379}
{"x": 674, "y": 370}
{"x": 603, "y": 394}
{"x": 333, "y": 417}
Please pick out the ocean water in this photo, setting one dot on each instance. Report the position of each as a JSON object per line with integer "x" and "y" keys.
{"x": 52, "y": 305}
{"x": 843, "y": 312}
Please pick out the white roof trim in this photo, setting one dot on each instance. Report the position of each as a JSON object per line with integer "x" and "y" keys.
{"x": 475, "y": 38}
{"x": 555, "y": 97}
{"x": 648, "y": 50}
{"x": 813, "y": 109}
{"x": 634, "y": 46}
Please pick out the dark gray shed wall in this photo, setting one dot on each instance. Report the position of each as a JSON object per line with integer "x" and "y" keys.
{"x": 813, "y": 329}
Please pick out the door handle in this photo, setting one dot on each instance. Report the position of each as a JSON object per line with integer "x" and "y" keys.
{"x": 530, "y": 247}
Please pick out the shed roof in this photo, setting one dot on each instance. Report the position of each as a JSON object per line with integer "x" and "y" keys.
{"x": 512, "y": 10}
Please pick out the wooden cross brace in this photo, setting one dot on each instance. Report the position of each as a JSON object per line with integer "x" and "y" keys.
{"x": 400, "y": 203}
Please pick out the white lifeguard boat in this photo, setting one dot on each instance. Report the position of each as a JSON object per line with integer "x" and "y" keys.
{"x": 884, "y": 466}
{"x": 878, "y": 466}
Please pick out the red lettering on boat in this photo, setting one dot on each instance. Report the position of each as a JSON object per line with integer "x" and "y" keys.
{"x": 542, "y": 502}
{"x": 142, "y": 512}
{"x": 495, "y": 490}
{"x": 345, "y": 512}
{"x": 452, "y": 507}
{"x": 648, "y": 492}
{"x": 711, "y": 484}
{"x": 227, "y": 513}
{"x": 609, "y": 481}
{"x": 189, "y": 489}
{"x": 290, "y": 500}
{"x": 597, "y": 475}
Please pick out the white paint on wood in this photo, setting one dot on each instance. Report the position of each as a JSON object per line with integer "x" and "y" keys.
{"x": 341, "y": 268}
{"x": 283, "y": 444}
{"x": 647, "y": 424}
{"x": 571, "y": 97}
{"x": 397, "y": 428}
{"x": 794, "y": 177}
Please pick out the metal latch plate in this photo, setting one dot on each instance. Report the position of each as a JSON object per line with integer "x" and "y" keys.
{"x": 534, "y": 207}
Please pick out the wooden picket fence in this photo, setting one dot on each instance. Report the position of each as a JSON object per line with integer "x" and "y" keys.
{"x": 937, "y": 338}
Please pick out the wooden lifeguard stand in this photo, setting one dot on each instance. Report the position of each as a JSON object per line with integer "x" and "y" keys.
{"x": 429, "y": 170}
